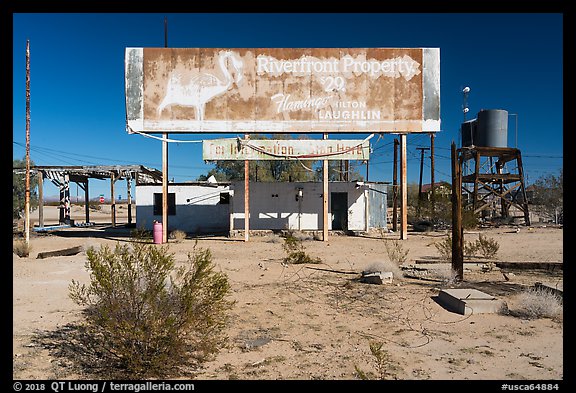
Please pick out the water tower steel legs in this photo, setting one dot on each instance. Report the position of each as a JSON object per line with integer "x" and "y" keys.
{"x": 492, "y": 185}
{"x": 523, "y": 189}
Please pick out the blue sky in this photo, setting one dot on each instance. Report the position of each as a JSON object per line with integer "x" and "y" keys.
{"x": 510, "y": 61}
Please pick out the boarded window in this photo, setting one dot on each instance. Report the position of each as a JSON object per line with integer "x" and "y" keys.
{"x": 158, "y": 204}
{"x": 224, "y": 198}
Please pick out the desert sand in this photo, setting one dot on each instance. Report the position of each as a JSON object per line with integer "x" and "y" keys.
{"x": 316, "y": 322}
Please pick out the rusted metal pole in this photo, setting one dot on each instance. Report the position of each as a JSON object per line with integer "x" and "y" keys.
{"x": 432, "y": 185}
{"x": 524, "y": 196}
{"x": 129, "y": 195}
{"x": 86, "y": 201}
{"x": 41, "y": 199}
{"x": 112, "y": 203}
{"x": 325, "y": 197}
{"x": 403, "y": 190}
{"x": 476, "y": 199}
{"x": 246, "y": 197}
{"x": 420, "y": 195}
{"x": 395, "y": 188}
{"x": 27, "y": 191}
{"x": 231, "y": 213}
{"x": 457, "y": 229}
{"x": 165, "y": 163}
{"x": 165, "y": 187}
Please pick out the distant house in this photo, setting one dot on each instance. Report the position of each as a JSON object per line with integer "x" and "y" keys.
{"x": 530, "y": 192}
{"x": 442, "y": 188}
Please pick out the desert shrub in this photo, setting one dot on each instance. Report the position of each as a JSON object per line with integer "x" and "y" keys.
{"x": 444, "y": 247}
{"x": 488, "y": 246}
{"x": 470, "y": 220}
{"x": 153, "y": 318}
{"x": 471, "y": 248}
{"x": 141, "y": 234}
{"x": 385, "y": 368}
{"x": 537, "y": 303}
{"x": 396, "y": 251}
{"x": 21, "y": 248}
{"x": 295, "y": 251}
{"x": 178, "y": 235}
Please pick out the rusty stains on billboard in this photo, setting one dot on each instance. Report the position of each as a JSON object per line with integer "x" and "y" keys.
{"x": 296, "y": 90}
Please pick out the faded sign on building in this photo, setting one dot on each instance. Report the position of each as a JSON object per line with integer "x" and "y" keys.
{"x": 331, "y": 90}
{"x": 265, "y": 149}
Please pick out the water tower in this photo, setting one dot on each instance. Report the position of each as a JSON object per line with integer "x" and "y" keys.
{"x": 492, "y": 174}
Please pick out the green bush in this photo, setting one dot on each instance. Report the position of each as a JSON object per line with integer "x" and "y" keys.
{"x": 396, "y": 251}
{"x": 471, "y": 248}
{"x": 296, "y": 252}
{"x": 444, "y": 247}
{"x": 153, "y": 318}
{"x": 488, "y": 246}
{"x": 141, "y": 234}
{"x": 385, "y": 368}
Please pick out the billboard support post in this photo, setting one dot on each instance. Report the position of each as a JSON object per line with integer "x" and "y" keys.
{"x": 325, "y": 197}
{"x": 246, "y": 198}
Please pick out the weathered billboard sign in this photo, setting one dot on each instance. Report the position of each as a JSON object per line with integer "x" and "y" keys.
{"x": 265, "y": 149}
{"x": 276, "y": 90}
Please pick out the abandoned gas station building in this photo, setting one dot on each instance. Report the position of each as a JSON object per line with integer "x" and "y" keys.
{"x": 209, "y": 208}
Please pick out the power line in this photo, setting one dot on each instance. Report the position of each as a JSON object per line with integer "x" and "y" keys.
{"x": 40, "y": 151}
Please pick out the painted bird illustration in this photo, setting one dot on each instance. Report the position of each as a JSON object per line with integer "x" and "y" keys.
{"x": 202, "y": 87}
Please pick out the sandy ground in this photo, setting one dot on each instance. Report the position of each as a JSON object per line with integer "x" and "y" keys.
{"x": 299, "y": 322}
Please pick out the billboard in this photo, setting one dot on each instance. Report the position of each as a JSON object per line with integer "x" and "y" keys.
{"x": 266, "y": 149}
{"x": 282, "y": 90}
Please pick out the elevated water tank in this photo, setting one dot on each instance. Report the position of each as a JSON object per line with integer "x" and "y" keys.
{"x": 492, "y": 128}
{"x": 469, "y": 133}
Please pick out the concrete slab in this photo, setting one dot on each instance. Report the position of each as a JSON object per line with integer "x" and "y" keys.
{"x": 470, "y": 301}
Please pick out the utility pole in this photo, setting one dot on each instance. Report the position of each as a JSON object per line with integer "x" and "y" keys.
{"x": 325, "y": 196}
{"x": 246, "y": 196}
{"x": 395, "y": 188}
{"x": 432, "y": 185}
{"x": 27, "y": 191}
{"x": 164, "y": 164}
{"x": 420, "y": 195}
{"x": 457, "y": 229}
{"x": 403, "y": 189}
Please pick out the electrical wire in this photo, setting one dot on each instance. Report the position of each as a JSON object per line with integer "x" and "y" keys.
{"x": 246, "y": 143}
{"x": 164, "y": 139}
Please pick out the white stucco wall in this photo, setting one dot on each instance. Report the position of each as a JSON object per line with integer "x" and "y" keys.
{"x": 268, "y": 211}
{"x": 198, "y": 208}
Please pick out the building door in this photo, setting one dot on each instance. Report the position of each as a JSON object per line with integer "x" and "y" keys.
{"x": 339, "y": 210}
